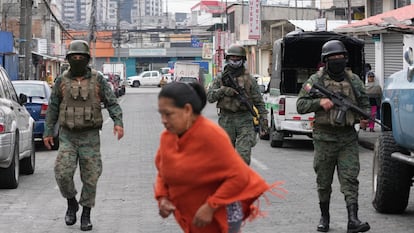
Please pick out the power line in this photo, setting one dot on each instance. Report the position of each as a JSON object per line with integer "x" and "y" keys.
{"x": 57, "y": 21}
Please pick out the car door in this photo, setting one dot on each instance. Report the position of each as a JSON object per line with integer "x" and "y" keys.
{"x": 405, "y": 107}
{"x": 155, "y": 78}
{"x": 146, "y": 79}
{"x": 23, "y": 116}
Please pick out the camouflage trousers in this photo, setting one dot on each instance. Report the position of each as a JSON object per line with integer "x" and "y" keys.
{"x": 240, "y": 128}
{"x": 82, "y": 147}
{"x": 342, "y": 155}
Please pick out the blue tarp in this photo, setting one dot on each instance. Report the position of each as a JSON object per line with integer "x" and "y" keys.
{"x": 6, "y": 45}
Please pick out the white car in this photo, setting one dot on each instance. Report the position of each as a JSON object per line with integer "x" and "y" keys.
{"x": 145, "y": 78}
{"x": 17, "y": 143}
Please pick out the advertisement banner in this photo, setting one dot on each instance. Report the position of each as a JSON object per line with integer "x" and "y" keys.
{"x": 207, "y": 52}
{"x": 254, "y": 19}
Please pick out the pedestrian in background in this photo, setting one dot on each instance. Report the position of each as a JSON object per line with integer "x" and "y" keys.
{"x": 75, "y": 104}
{"x": 49, "y": 78}
{"x": 336, "y": 144}
{"x": 201, "y": 178}
{"x": 367, "y": 69}
{"x": 235, "y": 117}
{"x": 374, "y": 92}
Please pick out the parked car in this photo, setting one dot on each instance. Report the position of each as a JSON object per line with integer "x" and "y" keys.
{"x": 145, "y": 78}
{"x": 17, "y": 144}
{"x": 122, "y": 85}
{"x": 38, "y": 95}
{"x": 393, "y": 163}
{"x": 115, "y": 81}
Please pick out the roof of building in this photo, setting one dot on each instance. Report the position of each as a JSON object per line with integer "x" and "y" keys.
{"x": 210, "y": 6}
{"x": 400, "y": 18}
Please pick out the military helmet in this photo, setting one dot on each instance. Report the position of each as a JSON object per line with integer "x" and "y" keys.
{"x": 78, "y": 47}
{"x": 333, "y": 47}
{"x": 236, "y": 50}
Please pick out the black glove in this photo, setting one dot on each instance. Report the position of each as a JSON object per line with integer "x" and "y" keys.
{"x": 228, "y": 91}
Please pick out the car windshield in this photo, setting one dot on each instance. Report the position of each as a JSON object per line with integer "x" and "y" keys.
{"x": 31, "y": 90}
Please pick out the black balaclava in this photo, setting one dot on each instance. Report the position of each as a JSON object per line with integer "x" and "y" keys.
{"x": 78, "y": 67}
{"x": 236, "y": 70}
{"x": 336, "y": 68}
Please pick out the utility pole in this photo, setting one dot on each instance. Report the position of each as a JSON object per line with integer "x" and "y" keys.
{"x": 166, "y": 10}
{"x": 296, "y": 9}
{"x": 25, "y": 39}
{"x": 349, "y": 12}
{"x": 118, "y": 30}
{"x": 92, "y": 32}
{"x": 140, "y": 22}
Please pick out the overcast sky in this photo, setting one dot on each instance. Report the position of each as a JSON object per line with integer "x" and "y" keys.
{"x": 185, "y": 5}
{"x": 180, "y": 5}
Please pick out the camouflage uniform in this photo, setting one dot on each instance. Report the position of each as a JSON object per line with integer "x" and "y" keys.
{"x": 335, "y": 145}
{"x": 234, "y": 116}
{"x": 80, "y": 144}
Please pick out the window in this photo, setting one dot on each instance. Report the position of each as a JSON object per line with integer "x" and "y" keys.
{"x": 1, "y": 88}
{"x": 230, "y": 24}
{"x": 376, "y": 7}
{"x": 52, "y": 35}
{"x": 401, "y": 3}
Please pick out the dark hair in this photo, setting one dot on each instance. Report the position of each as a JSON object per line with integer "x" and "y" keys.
{"x": 185, "y": 93}
{"x": 371, "y": 74}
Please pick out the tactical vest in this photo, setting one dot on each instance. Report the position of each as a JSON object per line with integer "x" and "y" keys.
{"x": 80, "y": 108}
{"x": 344, "y": 87}
{"x": 232, "y": 103}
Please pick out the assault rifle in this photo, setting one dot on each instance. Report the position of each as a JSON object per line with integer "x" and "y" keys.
{"x": 342, "y": 102}
{"x": 229, "y": 81}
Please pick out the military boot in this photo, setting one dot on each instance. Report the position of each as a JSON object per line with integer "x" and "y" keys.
{"x": 354, "y": 224}
{"x": 86, "y": 224}
{"x": 323, "y": 225}
{"x": 73, "y": 207}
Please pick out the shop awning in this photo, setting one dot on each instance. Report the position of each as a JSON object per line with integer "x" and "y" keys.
{"x": 47, "y": 57}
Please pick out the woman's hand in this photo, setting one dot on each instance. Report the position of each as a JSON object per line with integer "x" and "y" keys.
{"x": 166, "y": 207}
{"x": 203, "y": 216}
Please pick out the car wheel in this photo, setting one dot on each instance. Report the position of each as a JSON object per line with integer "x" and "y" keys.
{"x": 136, "y": 84}
{"x": 391, "y": 179}
{"x": 27, "y": 165}
{"x": 9, "y": 177}
{"x": 275, "y": 138}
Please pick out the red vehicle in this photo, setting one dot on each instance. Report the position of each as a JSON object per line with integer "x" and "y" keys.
{"x": 115, "y": 80}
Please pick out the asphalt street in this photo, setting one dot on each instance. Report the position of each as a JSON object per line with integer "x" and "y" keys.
{"x": 125, "y": 201}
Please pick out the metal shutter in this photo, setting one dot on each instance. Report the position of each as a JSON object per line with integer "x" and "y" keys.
{"x": 369, "y": 49}
{"x": 393, "y": 53}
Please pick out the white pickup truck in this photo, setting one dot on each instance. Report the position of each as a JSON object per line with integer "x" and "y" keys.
{"x": 295, "y": 58}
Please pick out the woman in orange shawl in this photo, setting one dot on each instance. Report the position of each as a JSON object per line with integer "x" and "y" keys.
{"x": 201, "y": 179}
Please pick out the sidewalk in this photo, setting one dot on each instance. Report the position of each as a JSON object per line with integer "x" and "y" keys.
{"x": 367, "y": 139}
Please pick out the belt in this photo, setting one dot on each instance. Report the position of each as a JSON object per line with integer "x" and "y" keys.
{"x": 227, "y": 112}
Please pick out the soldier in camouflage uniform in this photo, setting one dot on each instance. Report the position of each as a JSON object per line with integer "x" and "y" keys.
{"x": 336, "y": 145}
{"x": 235, "y": 117}
{"x": 75, "y": 104}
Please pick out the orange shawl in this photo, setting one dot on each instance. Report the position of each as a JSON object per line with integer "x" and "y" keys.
{"x": 203, "y": 166}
